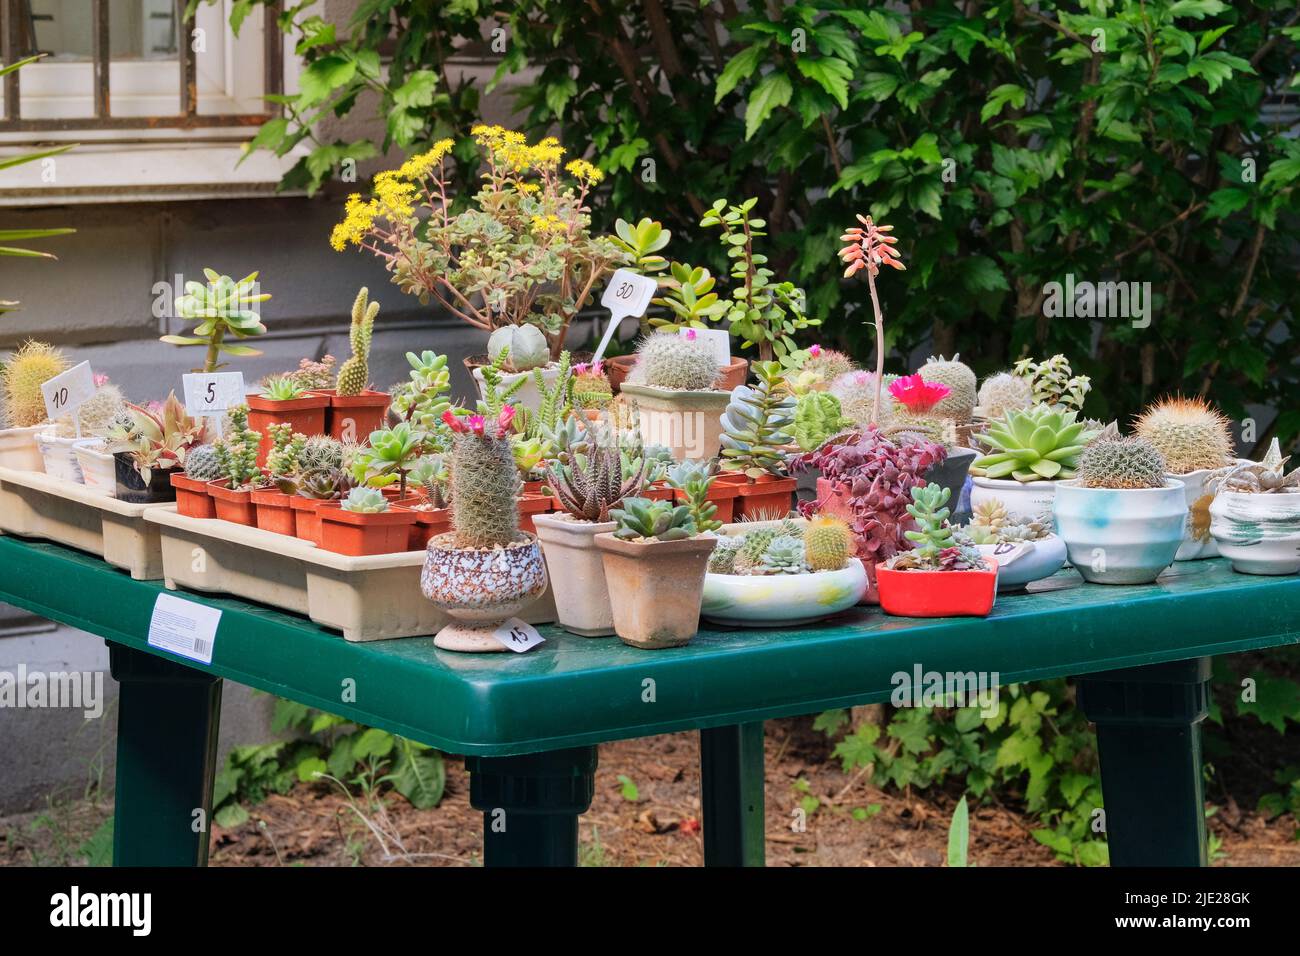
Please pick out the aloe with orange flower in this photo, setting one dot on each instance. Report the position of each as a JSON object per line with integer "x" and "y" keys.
{"x": 520, "y": 252}
{"x": 870, "y": 247}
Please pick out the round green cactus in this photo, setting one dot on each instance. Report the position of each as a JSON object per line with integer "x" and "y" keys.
{"x": 675, "y": 363}
{"x": 1121, "y": 463}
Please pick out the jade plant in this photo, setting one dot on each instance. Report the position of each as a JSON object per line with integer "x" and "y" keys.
{"x": 484, "y": 481}
{"x": 870, "y": 247}
{"x": 694, "y": 479}
{"x": 366, "y": 501}
{"x": 221, "y": 308}
{"x": 644, "y": 518}
{"x": 755, "y": 422}
{"x": 1189, "y": 432}
{"x": 934, "y": 547}
{"x": 1037, "y": 444}
{"x": 354, "y": 373}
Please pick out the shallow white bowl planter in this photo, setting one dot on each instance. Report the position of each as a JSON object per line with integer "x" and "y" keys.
{"x": 1121, "y": 535}
{"x": 1026, "y": 499}
{"x": 1258, "y": 533}
{"x": 1024, "y": 562}
{"x": 98, "y": 471}
{"x": 774, "y": 600}
{"x": 577, "y": 573}
{"x": 528, "y": 396}
{"x": 59, "y": 455}
{"x": 18, "y": 448}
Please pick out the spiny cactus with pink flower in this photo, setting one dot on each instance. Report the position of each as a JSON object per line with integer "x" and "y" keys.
{"x": 870, "y": 247}
{"x": 484, "y": 480}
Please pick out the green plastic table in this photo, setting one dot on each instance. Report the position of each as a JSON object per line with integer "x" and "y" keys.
{"x": 529, "y": 724}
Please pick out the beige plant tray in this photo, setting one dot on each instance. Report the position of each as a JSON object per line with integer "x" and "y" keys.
{"x": 37, "y": 505}
{"x": 368, "y": 599}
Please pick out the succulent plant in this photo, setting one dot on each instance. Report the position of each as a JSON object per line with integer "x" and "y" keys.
{"x": 753, "y": 546}
{"x": 755, "y": 422}
{"x": 1053, "y": 382}
{"x": 314, "y": 374}
{"x": 591, "y": 388}
{"x": 237, "y": 451}
{"x": 934, "y": 547}
{"x": 652, "y": 518}
{"x": 591, "y": 485}
{"x": 320, "y": 451}
{"x": 722, "y": 560}
{"x": 354, "y": 374}
{"x": 674, "y": 363}
{"x": 321, "y": 484}
{"x": 1036, "y": 444}
{"x": 857, "y": 392}
{"x": 161, "y": 436}
{"x": 823, "y": 366}
{"x": 1263, "y": 477}
{"x": 817, "y": 417}
{"x": 689, "y": 297}
{"x": 283, "y": 388}
{"x": 22, "y": 376}
{"x": 642, "y": 243}
{"x": 423, "y": 398}
{"x": 1189, "y": 432}
{"x": 286, "y": 446}
{"x": 1121, "y": 463}
{"x": 388, "y": 456}
{"x": 366, "y": 501}
{"x": 784, "y": 555}
{"x": 1002, "y": 393}
{"x": 484, "y": 481}
{"x": 221, "y": 308}
{"x": 519, "y": 348}
{"x": 430, "y": 480}
{"x": 990, "y": 513}
{"x": 959, "y": 403}
{"x": 694, "y": 479}
{"x": 202, "y": 464}
{"x": 828, "y": 543}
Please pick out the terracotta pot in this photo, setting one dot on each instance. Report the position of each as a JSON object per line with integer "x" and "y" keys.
{"x": 480, "y": 588}
{"x": 429, "y": 522}
{"x": 354, "y": 417}
{"x": 357, "y": 534}
{"x": 688, "y": 423}
{"x": 765, "y": 497}
{"x": 937, "y": 593}
{"x": 192, "y": 497}
{"x": 306, "y": 415}
{"x": 233, "y": 506}
{"x": 723, "y": 494}
{"x": 658, "y": 491}
{"x": 534, "y": 487}
{"x": 618, "y": 367}
{"x": 273, "y": 513}
{"x": 577, "y": 573}
{"x": 657, "y": 587}
{"x": 131, "y": 486}
{"x": 530, "y": 505}
{"x": 306, "y": 524}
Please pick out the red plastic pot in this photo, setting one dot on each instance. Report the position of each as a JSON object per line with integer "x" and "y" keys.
{"x": 429, "y": 522}
{"x": 306, "y": 415}
{"x": 723, "y": 494}
{"x": 765, "y": 497}
{"x": 192, "y": 498}
{"x": 233, "y": 506}
{"x": 530, "y": 505}
{"x": 354, "y": 417}
{"x": 306, "y": 524}
{"x": 357, "y": 534}
{"x": 272, "y": 511}
{"x": 937, "y": 593}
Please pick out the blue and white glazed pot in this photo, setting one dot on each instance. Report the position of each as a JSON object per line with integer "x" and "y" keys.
{"x": 1120, "y": 535}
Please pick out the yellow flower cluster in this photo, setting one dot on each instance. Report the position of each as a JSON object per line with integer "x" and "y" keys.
{"x": 417, "y": 167}
{"x": 358, "y": 217}
{"x": 585, "y": 172}
{"x": 548, "y": 223}
{"x": 510, "y": 149}
{"x": 395, "y": 194}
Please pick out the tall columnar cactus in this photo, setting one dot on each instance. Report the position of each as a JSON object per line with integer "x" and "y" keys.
{"x": 675, "y": 363}
{"x": 755, "y": 422}
{"x": 237, "y": 451}
{"x": 828, "y": 543}
{"x": 484, "y": 481}
{"x": 1189, "y": 432}
{"x": 354, "y": 374}
{"x": 23, "y": 375}
{"x": 1121, "y": 463}
{"x": 960, "y": 401}
{"x": 286, "y": 448}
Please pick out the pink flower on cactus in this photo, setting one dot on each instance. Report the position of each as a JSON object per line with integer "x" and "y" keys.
{"x": 454, "y": 422}
{"x": 474, "y": 423}
{"x": 503, "y": 420}
{"x": 916, "y": 394}
{"x": 814, "y": 351}
{"x": 100, "y": 380}
{"x": 690, "y": 335}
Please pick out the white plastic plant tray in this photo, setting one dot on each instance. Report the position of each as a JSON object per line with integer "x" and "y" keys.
{"x": 37, "y": 505}
{"x": 368, "y": 598}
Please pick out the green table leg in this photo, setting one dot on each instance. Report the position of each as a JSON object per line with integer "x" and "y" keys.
{"x": 731, "y": 793}
{"x": 531, "y": 804}
{"x": 167, "y": 721}
{"x": 1149, "y": 741}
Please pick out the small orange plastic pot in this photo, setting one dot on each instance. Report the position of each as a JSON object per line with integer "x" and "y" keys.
{"x": 428, "y": 522}
{"x": 723, "y": 494}
{"x": 272, "y": 511}
{"x": 306, "y": 515}
{"x": 917, "y": 593}
{"x": 192, "y": 497}
{"x": 305, "y": 415}
{"x": 765, "y": 497}
{"x": 358, "y": 534}
{"x": 354, "y": 417}
{"x": 233, "y": 506}
{"x": 530, "y": 505}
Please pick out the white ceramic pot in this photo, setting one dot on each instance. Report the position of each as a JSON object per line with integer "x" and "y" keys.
{"x": 528, "y": 396}
{"x": 689, "y": 423}
{"x": 1120, "y": 535}
{"x": 18, "y": 448}
{"x": 1024, "y": 499}
{"x": 774, "y": 600}
{"x": 97, "y": 468}
{"x": 59, "y": 456}
{"x": 1026, "y": 561}
{"x": 480, "y": 588}
{"x": 577, "y": 573}
{"x": 1259, "y": 534}
{"x": 1197, "y": 541}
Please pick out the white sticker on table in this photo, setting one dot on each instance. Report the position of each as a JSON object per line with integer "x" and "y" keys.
{"x": 210, "y": 393}
{"x": 66, "y": 391}
{"x": 185, "y": 628}
{"x": 518, "y": 636}
{"x": 627, "y": 294}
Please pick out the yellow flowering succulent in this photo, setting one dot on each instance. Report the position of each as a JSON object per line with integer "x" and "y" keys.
{"x": 584, "y": 171}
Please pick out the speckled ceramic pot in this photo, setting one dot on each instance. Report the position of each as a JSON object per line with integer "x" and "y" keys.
{"x": 1259, "y": 534}
{"x": 1121, "y": 535}
{"x": 480, "y": 589}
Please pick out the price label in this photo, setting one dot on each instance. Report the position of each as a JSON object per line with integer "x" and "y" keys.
{"x": 185, "y": 628}
{"x": 67, "y": 390}
{"x": 518, "y": 636}
{"x": 626, "y": 295}
{"x": 719, "y": 340}
{"x": 208, "y": 393}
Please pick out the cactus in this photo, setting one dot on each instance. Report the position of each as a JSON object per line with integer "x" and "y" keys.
{"x": 1002, "y": 393}
{"x": 286, "y": 448}
{"x": 237, "y": 451}
{"x": 201, "y": 464}
{"x": 960, "y": 401}
{"x": 484, "y": 483}
{"x": 722, "y": 560}
{"x": 320, "y": 451}
{"x": 675, "y": 363}
{"x": 784, "y": 555}
{"x": 753, "y": 547}
{"x": 95, "y": 415}
{"x": 524, "y": 347}
{"x": 817, "y": 417}
{"x": 1121, "y": 463}
{"x": 646, "y": 518}
{"x": 354, "y": 374}
{"x": 1053, "y": 382}
{"x": 857, "y": 391}
{"x": 366, "y": 501}
{"x": 824, "y": 366}
{"x": 1189, "y": 432}
{"x": 754, "y": 424}
{"x": 591, "y": 389}
{"x": 22, "y": 376}
{"x": 828, "y": 543}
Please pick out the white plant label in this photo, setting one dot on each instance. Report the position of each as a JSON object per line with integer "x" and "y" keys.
{"x": 184, "y": 628}
{"x": 210, "y": 393}
{"x": 719, "y": 340}
{"x": 518, "y": 636}
{"x": 627, "y": 294}
{"x": 67, "y": 390}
